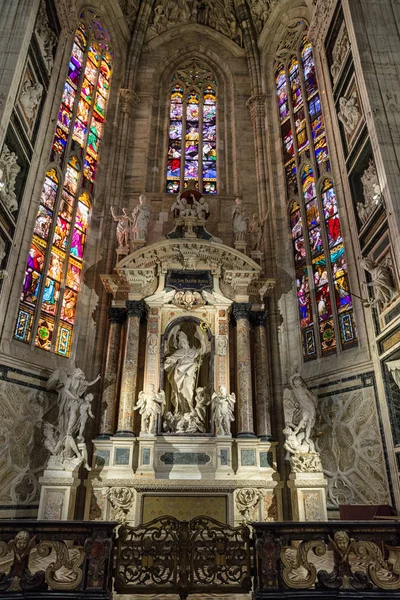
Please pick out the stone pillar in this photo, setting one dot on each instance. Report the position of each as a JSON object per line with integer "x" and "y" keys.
{"x": 116, "y": 317}
{"x": 241, "y": 313}
{"x": 134, "y": 312}
{"x": 261, "y": 372}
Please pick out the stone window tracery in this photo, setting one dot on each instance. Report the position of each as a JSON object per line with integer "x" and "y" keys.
{"x": 192, "y": 137}
{"x": 47, "y": 307}
{"x": 324, "y": 301}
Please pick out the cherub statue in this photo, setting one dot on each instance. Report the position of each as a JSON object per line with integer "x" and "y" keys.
{"x": 222, "y": 406}
{"x": 19, "y": 571}
{"x": 150, "y": 404}
{"x": 85, "y": 412}
{"x": 179, "y": 207}
{"x": 202, "y": 208}
{"x": 381, "y": 281}
{"x": 303, "y": 404}
{"x": 123, "y": 227}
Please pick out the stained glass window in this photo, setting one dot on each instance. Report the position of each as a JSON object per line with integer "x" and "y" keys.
{"x": 192, "y": 149}
{"x": 47, "y": 307}
{"x": 324, "y": 300}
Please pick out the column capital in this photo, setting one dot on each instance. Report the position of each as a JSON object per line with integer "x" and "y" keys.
{"x": 128, "y": 101}
{"x": 241, "y": 310}
{"x": 256, "y": 105}
{"x": 116, "y": 315}
{"x": 258, "y": 318}
{"x": 135, "y": 308}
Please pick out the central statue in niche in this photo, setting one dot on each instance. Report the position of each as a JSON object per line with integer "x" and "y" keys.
{"x": 189, "y": 392}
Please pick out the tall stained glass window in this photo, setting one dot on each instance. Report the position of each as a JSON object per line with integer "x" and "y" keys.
{"x": 324, "y": 301}
{"x": 47, "y": 307}
{"x": 192, "y": 149}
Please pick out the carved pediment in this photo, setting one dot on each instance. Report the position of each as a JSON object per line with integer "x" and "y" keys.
{"x": 138, "y": 272}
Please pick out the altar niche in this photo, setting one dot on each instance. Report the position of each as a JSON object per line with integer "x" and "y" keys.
{"x": 187, "y": 377}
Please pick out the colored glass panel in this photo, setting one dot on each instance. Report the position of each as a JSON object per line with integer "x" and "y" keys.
{"x": 301, "y": 130}
{"x": 309, "y": 68}
{"x": 281, "y": 90}
{"x": 287, "y": 138}
{"x": 65, "y": 213}
{"x": 295, "y": 85}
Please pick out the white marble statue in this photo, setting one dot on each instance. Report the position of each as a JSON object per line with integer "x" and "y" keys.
{"x": 381, "y": 283}
{"x": 9, "y": 170}
{"x": 239, "y": 221}
{"x": 256, "y": 228}
{"x": 182, "y": 367}
{"x": 150, "y": 405}
{"x": 222, "y": 406}
{"x": 301, "y": 403}
{"x": 123, "y": 227}
{"x": 339, "y": 52}
{"x": 180, "y": 208}
{"x": 371, "y": 191}
{"x": 394, "y": 369}
{"x": 30, "y": 97}
{"x": 46, "y": 37}
{"x": 349, "y": 113}
{"x": 140, "y": 219}
{"x": 189, "y": 422}
{"x": 3, "y": 272}
{"x": 73, "y": 412}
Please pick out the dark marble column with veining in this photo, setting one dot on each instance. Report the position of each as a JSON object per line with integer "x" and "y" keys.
{"x": 261, "y": 372}
{"x": 116, "y": 317}
{"x": 129, "y": 377}
{"x": 241, "y": 314}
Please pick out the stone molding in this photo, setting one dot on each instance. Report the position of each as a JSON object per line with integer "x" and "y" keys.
{"x": 182, "y": 485}
{"x": 66, "y": 10}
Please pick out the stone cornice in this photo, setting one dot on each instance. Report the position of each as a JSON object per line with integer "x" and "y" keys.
{"x": 186, "y": 485}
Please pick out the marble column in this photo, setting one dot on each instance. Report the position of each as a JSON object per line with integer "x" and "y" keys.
{"x": 116, "y": 317}
{"x": 134, "y": 313}
{"x": 261, "y": 372}
{"x": 241, "y": 313}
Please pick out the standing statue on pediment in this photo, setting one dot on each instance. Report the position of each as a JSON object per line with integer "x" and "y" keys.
{"x": 123, "y": 227}
{"x": 239, "y": 221}
{"x": 140, "y": 219}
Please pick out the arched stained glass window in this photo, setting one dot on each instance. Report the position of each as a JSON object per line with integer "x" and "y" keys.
{"x": 46, "y": 314}
{"x": 192, "y": 146}
{"x": 324, "y": 301}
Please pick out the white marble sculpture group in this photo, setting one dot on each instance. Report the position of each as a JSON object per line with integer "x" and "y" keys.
{"x": 74, "y": 409}
{"x": 300, "y": 406}
{"x": 132, "y": 227}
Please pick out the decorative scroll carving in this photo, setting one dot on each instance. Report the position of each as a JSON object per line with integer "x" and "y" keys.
{"x": 301, "y": 555}
{"x": 190, "y": 556}
{"x": 121, "y": 500}
{"x": 246, "y": 502}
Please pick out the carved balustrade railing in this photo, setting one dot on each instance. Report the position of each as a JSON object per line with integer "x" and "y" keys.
{"x": 67, "y": 558}
{"x": 185, "y": 557}
{"x": 358, "y": 559}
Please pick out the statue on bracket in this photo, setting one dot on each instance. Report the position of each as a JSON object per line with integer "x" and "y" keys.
{"x": 300, "y": 406}
{"x": 190, "y": 211}
{"x": 381, "y": 282}
{"x": 222, "y": 406}
{"x": 140, "y": 219}
{"x": 73, "y": 412}
{"x": 184, "y": 359}
{"x": 123, "y": 227}
{"x": 256, "y": 228}
{"x": 239, "y": 221}
{"x": 150, "y": 405}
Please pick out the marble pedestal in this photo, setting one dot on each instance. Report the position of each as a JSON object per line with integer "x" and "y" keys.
{"x": 308, "y": 496}
{"x": 58, "y": 492}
